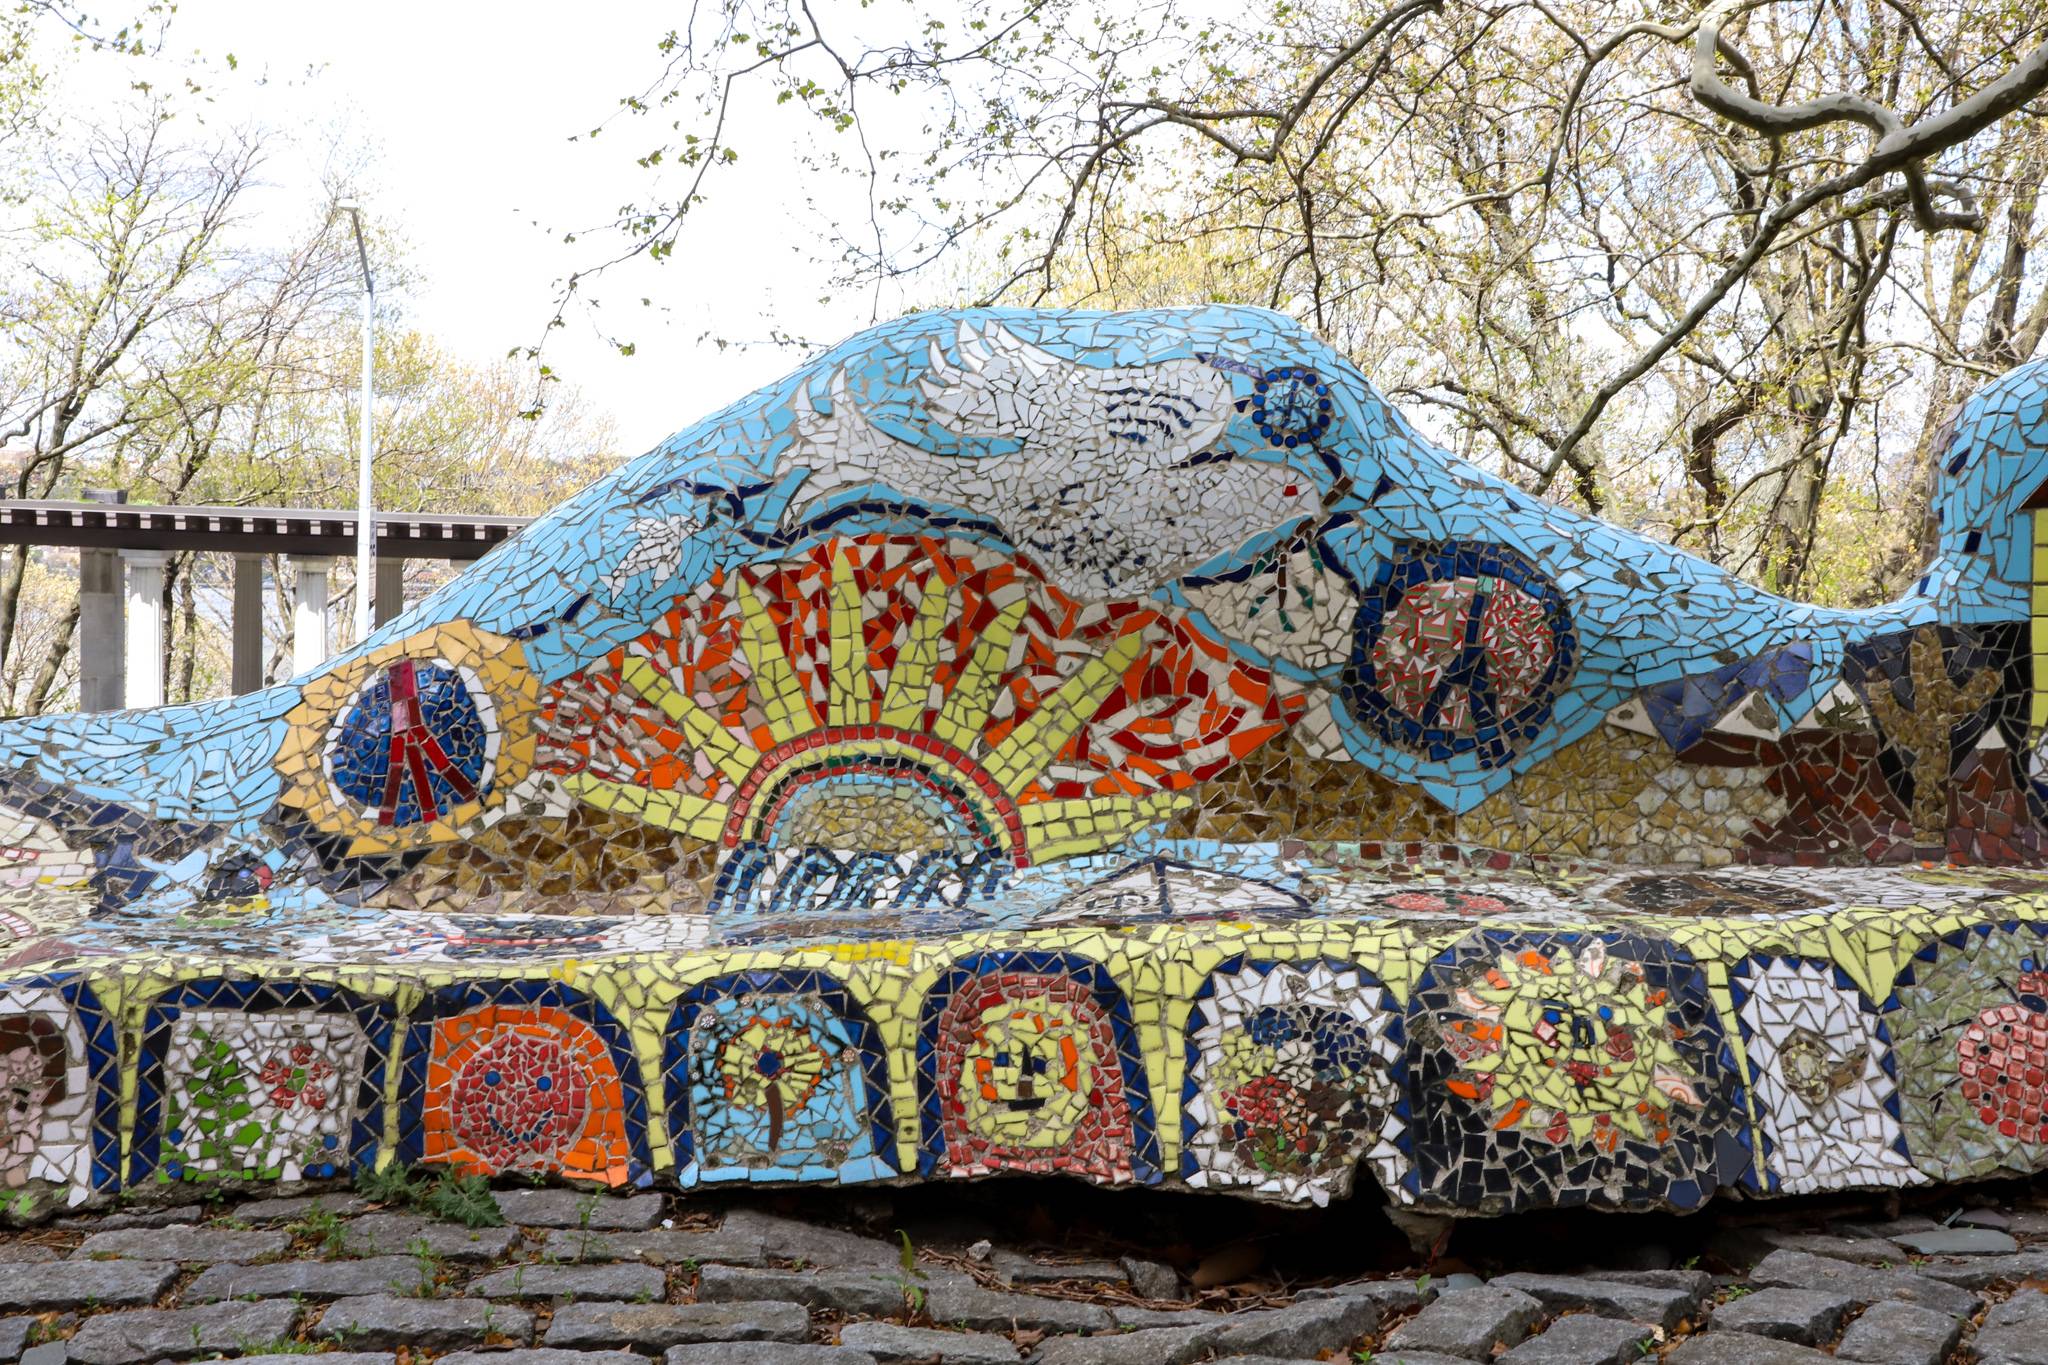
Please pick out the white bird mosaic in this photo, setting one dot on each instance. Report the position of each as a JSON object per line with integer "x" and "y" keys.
{"x": 1106, "y": 487}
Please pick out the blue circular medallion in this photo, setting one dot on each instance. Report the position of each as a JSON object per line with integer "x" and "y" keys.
{"x": 1459, "y": 648}
{"x": 1291, "y": 406}
{"x": 413, "y": 746}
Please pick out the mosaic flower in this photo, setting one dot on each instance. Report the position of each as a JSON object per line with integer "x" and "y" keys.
{"x": 297, "y": 1079}
{"x": 1823, "y": 1072}
{"x": 258, "y": 1093}
{"x": 1291, "y": 1079}
{"x": 2002, "y": 1057}
{"x": 1575, "y": 1048}
{"x": 1971, "y": 1038}
{"x": 774, "y": 1066}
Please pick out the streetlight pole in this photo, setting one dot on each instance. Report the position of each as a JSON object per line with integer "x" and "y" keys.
{"x": 366, "y": 530}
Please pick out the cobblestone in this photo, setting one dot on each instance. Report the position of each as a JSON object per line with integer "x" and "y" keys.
{"x": 579, "y": 1209}
{"x": 2015, "y": 1332}
{"x": 138, "y": 1218}
{"x": 308, "y": 1279}
{"x": 865, "y": 1292}
{"x": 1877, "y": 1251}
{"x": 597, "y": 1282}
{"x": 1807, "y": 1316}
{"x": 792, "y": 1239}
{"x": 1392, "y": 1296}
{"x": 403, "y": 1234}
{"x": 987, "y": 1310}
{"x": 1738, "y": 1348}
{"x": 1582, "y": 1339}
{"x": 1658, "y": 1305}
{"x": 659, "y": 1246}
{"x": 183, "y": 1245}
{"x": 765, "y": 1353}
{"x": 1152, "y": 1346}
{"x": 181, "y": 1333}
{"x": 339, "y": 1203}
{"x": 1960, "y": 1242}
{"x": 384, "y": 1320}
{"x": 658, "y": 1326}
{"x": 1900, "y": 1334}
{"x": 1151, "y": 1279}
{"x": 773, "y": 1289}
{"x": 1014, "y": 1269}
{"x": 1977, "y": 1272}
{"x": 1476, "y": 1323}
{"x": 1799, "y": 1270}
{"x": 1130, "y": 1317}
{"x": 890, "y": 1344}
{"x": 73, "y": 1284}
{"x": 1304, "y": 1330}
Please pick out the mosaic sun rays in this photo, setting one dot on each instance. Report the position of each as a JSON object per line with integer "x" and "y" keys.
{"x": 1110, "y": 745}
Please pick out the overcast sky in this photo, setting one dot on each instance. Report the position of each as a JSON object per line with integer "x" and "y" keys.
{"x": 466, "y": 109}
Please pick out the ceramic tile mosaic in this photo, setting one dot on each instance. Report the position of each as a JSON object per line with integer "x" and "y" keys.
{"x": 777, "y": 1076}
{"x": 254, "y": 1081}
{"x": 1294, "y": 1075}
{"x": 1823, "y": 1076}
{"x": 1105, "y": 744}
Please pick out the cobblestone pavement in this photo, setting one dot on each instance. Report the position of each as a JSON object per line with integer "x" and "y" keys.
{"x": 392, "y": 1274}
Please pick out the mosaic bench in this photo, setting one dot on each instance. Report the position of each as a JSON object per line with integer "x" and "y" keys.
{"x": 1114, "y": 745}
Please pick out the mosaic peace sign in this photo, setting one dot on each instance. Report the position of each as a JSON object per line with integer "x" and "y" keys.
{"x": 1460, "y": 648}
{"x": 414, "y": 744}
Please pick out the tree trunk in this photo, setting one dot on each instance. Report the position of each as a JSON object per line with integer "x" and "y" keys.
{"x": 188, "y": 612}
{"x": 53, "y": 661}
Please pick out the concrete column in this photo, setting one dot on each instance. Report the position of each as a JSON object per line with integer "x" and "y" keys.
{"x": 245, "y": 626}
{"x": 390, "y": 599}
{"x": 309, "y": 612}
{"x": 100, "y": 638}
{"x": 145, "y": 645}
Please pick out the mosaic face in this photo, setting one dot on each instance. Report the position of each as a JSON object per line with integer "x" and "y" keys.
{"x": 58, "y": 1107}
{"x": 1016, "y": 712}
{"x": 1292, "y": 1080}
{"x": 1028, "y": 1080}
{"x": 1569, "y": 1064}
